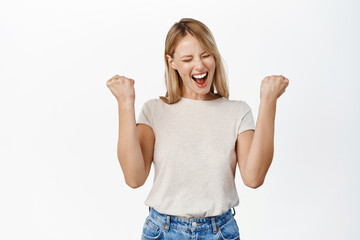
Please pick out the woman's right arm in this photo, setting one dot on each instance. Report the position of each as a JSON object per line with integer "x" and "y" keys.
{"x": 129, "y": 150}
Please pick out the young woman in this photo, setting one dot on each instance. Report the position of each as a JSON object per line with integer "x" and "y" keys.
{"x": 195, "y": 137}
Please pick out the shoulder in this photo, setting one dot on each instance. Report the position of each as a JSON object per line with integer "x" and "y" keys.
{"x": 238, "y": 104}
{"x": 151, "y": 102}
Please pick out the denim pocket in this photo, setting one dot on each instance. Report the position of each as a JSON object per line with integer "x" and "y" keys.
{"x": 229, "y": 230}
{"x": 150, "y": 230}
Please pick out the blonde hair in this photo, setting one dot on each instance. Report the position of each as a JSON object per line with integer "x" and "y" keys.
{"x": 203, "y": 34}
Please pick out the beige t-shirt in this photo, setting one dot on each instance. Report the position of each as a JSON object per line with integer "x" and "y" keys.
{"x": 194, "y": 154}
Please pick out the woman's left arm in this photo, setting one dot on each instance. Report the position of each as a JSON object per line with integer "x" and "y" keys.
{"x": 260, "y": 151}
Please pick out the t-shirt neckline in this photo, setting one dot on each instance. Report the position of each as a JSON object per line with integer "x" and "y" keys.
{"x": 194, "y": 100}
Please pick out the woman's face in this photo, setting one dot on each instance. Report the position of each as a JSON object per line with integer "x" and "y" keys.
{"x": 191, "y": 61}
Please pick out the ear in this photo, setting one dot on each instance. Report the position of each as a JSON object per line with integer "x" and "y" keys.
{"x": 171, "y": 61}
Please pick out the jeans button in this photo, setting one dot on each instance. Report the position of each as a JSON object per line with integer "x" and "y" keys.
{"x": 194, "y": 224}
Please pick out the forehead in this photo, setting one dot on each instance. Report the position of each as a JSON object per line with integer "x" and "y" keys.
{"x": 188, "y": 45}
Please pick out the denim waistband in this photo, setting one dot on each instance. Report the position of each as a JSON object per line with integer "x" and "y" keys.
{"x": 192, "y": 224}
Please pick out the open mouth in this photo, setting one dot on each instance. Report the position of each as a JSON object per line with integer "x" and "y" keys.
{"x": 201, "y": 79}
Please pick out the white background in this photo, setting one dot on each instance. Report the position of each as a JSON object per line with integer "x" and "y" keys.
{"x": 59, "y": 173}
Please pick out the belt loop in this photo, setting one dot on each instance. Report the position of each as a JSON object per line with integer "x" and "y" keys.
{"x": 214, "y": 225}
{"x": 167, "y": 225}
{"x": 149, "y": 208}
{"x": 234, "y": 212}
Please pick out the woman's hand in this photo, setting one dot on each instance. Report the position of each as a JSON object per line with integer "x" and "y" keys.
{"x": 122, "y": 88}
{"x": 272, "y": 87}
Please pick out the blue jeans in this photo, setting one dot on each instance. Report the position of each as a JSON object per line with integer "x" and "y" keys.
{"x": 161, "y": 226}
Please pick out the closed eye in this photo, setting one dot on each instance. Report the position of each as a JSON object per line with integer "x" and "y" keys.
{"x": 205, "y": 56}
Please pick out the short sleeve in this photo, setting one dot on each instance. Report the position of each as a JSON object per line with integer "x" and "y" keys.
{"x": 247, "y": 120}
{"x": 145, "y": 115}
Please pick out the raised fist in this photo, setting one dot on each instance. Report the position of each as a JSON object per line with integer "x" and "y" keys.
{"x": 272, "y": 87}
{"x": 122, "y": 88}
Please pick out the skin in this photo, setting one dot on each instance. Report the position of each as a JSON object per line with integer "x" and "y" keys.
{"x": 255, "y": 149}
{"x": 196, "y": 61}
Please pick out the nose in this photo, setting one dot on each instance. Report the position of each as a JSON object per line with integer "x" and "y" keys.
{"x": 199, "y": 64}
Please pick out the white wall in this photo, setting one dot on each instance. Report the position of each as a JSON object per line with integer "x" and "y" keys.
{"x": 59, "y": 173}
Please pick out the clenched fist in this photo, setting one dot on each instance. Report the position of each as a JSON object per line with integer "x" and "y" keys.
{"x": 122, "y": 88}
{"x": 272, "y": 87}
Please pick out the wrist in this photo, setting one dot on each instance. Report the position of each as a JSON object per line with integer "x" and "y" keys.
{"x": 125, "y": 105}
{"x": 268, "y": 101}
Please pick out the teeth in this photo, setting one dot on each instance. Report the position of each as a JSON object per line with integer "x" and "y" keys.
{"x": 199, "y": 76}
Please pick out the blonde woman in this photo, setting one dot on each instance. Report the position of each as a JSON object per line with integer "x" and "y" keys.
{"x": 195, "y": 137}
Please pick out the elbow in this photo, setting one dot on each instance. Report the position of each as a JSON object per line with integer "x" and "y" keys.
{"x": 254, "y": 184}
{"x": 134, "y": 185}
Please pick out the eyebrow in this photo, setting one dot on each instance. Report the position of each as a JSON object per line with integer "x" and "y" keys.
{"x": 191, "y": 55}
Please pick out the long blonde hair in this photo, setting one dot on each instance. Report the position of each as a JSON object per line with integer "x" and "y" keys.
{"x": 203, "y": 34}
